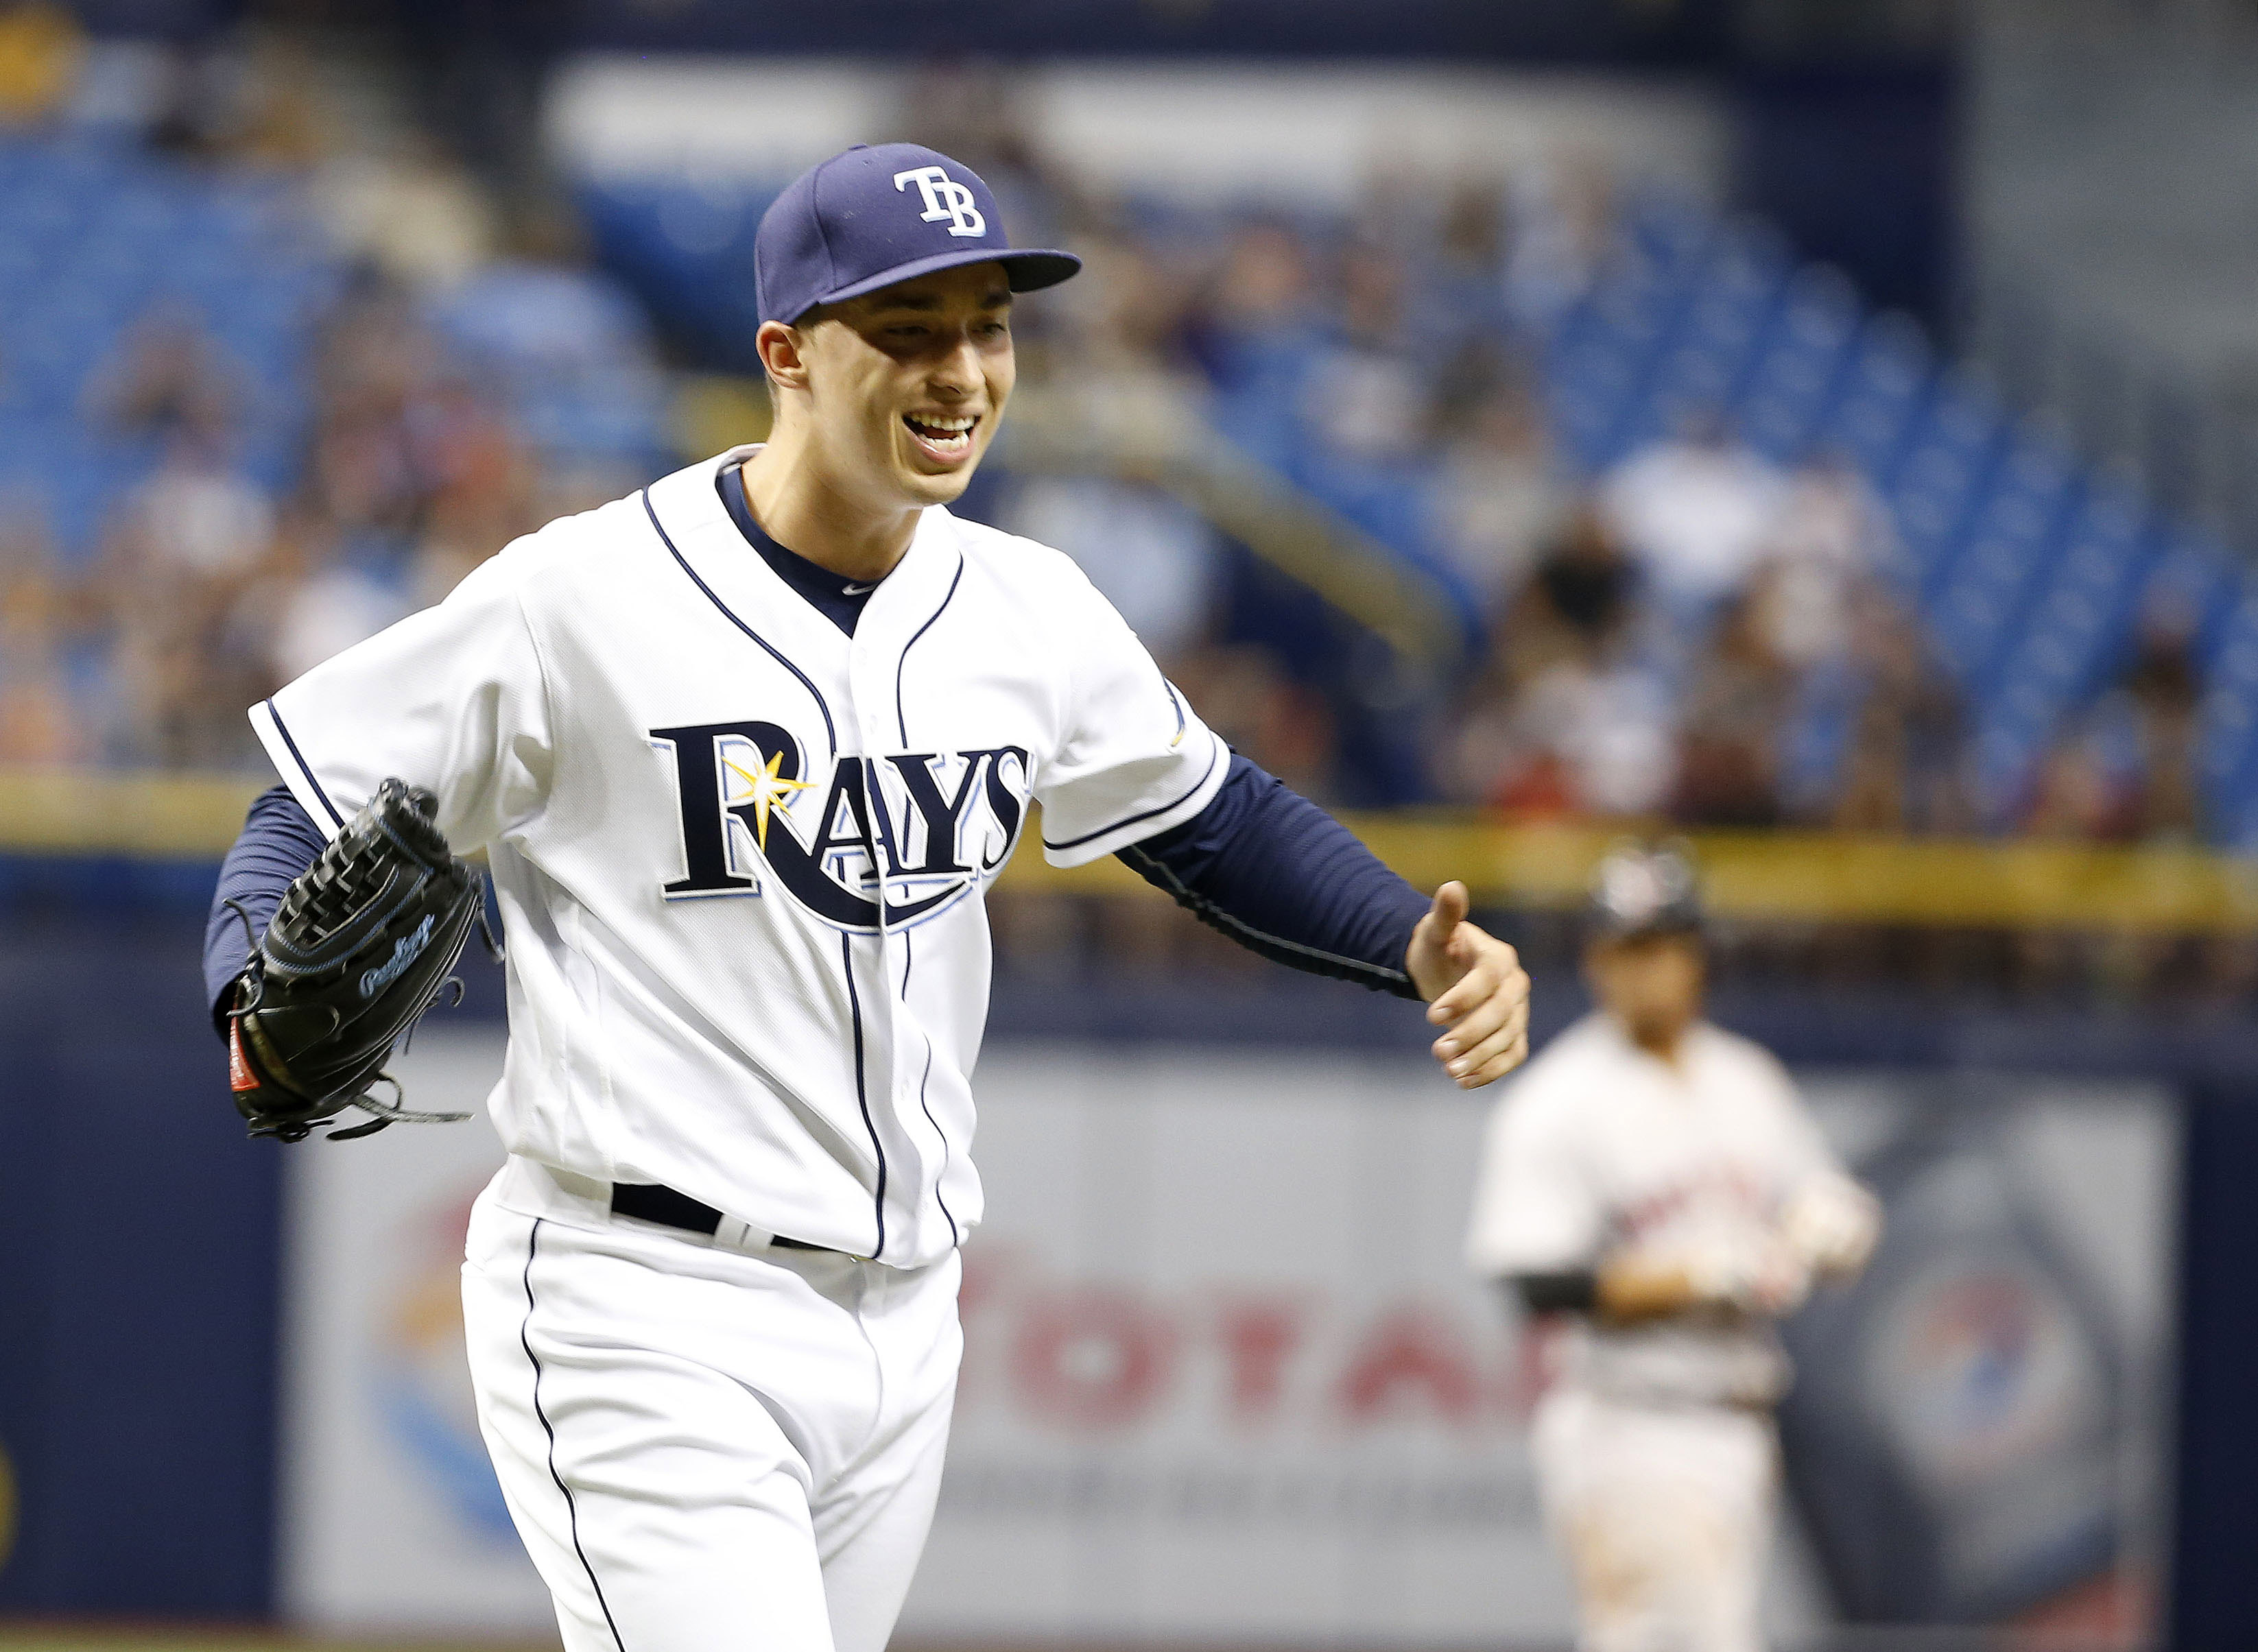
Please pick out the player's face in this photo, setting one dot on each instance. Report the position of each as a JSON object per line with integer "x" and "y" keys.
{"x": 906, "y": 384}
{"x": 1651, "y": 983}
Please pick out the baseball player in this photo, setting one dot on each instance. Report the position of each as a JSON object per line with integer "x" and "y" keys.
{"x": 742, "y": 752}
{"x": 1653, "y": 1188}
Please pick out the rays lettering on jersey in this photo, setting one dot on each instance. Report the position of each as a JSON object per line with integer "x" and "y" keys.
{"x": 925, "y": 827}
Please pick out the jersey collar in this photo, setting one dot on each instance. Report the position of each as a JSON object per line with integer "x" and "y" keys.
{"x": 908, "y": 603}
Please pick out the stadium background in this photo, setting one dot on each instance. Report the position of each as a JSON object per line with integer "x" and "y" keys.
{"x": 1820, "y": 429}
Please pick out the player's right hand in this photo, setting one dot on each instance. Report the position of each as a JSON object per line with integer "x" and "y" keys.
{"x": 1763, "y": 1279}
{"x": 1474, "y": 985}
{"x": 1832, "y": 1223}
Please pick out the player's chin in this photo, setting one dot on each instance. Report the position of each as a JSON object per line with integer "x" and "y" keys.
{"x": 945, "y": 488}
{"x": 930, "y": 482}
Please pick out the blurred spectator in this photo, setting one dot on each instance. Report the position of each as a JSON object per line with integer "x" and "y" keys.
{"x": 38, "y": 722}
{"x": 2126, "y": 770}
{"x": 2071, "y": 795}
{"x": 363, "y": 479}
{"x": 41, "y": 50}
{"x": 1127, "y": 311}
{"x": 232, "y": 100}
{"x": 177, "y": 678}
{"x": 1727, "y": 752}
{"x": 1697, "y": 510}
{"x": 1152, "y": 556}
{"x": 166, "y": 377}
{"x": 1365, "y": 397}
{"x": 1247, "y": 697}
{"x": 1257, "y": 322}
{"x": 194, "y": 518}
{"x": 1500, "y": 495}
{"x": 481, "y": 487}
{"x": 190, "y": 536}
{"x": 1905, "y": 770}
{"x": 2157, "y": 706}
{"x": 329, "y": 600}
{"x": 1459, "y": 304}
{"x": 1561, "y": 220}
{"x": 1832, "y": 533}
{"x": 417, "y": 216}
{"x": 1565, "y": 723}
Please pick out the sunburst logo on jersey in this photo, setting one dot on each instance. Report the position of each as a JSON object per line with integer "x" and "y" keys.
{"x": 769, "y": 791}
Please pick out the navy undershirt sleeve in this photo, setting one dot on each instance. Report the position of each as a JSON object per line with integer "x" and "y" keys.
{"x": 279, "y": 841}
{"x": 1284, "y": 878}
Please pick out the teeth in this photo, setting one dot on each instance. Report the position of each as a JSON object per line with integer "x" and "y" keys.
{"x": 942, "y": 424}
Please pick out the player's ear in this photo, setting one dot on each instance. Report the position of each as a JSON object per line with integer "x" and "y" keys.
{"x": 779, "y": 348}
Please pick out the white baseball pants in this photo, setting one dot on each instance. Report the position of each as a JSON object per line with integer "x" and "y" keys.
{"x": 1665, "y": 1513}
{"x": 706, "y": 1446}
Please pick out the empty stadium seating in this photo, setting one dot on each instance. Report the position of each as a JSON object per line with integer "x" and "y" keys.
{"x": 94, "y": 237}
{"x": 2031, "y": 572}
{"x": 97, "y": 235}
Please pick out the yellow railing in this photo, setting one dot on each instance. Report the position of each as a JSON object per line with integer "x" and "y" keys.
{"x": 1772, "y": 877}
{"x": 1814, "y": 878}
{"x": 189, "y": 816}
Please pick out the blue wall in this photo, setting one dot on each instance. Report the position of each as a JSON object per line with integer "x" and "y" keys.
{"x": 2215, "y": 1592}
{"x": 138, "y": 1268}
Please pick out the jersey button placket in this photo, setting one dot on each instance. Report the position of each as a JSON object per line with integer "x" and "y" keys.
{"x": 879, "y": 1008}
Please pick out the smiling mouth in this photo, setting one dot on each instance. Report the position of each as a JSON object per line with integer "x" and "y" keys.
{"x": 945, "y": 437}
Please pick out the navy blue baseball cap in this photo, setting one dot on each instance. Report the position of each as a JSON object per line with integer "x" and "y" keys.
{"x": 877, "y": 213}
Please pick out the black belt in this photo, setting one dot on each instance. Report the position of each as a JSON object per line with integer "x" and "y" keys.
{"x": 648, "y": 1202}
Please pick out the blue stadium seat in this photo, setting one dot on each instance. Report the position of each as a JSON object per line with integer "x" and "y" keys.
{"x": 2018, "y": 492}
{"x": 1883, "y": 398}
{"x": 1670, "y": 231}
{"x": 2228, "y": 729}
{"x": 2075, "y": 634}
{"x": 1796, "y": 364}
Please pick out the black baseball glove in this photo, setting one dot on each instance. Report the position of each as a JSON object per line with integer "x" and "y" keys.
{"x": 361, "y": 944}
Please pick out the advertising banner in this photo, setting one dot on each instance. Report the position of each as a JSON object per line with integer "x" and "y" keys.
{"x": 1225, "y": 1380}
{"x": 390, "y": 1521}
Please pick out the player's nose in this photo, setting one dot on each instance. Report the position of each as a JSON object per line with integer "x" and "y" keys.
{"x": 957, "y": 375}
{"x": 960, "y": 372}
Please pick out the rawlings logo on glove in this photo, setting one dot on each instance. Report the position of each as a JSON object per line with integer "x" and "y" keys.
{"x": 403, "y": 953}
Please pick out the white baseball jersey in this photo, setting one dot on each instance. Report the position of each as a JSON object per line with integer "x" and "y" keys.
{"x": 738, "y": 853}
{"x": 1600, "y": 1150}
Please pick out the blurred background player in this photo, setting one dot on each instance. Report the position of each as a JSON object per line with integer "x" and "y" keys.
{"x": 1655, "y": 1185}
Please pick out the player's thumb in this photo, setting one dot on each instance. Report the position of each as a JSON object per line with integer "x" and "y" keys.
{"x": 1449, "y": 911}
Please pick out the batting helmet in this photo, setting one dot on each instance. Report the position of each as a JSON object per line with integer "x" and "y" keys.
{"x": 1644, "y": 890}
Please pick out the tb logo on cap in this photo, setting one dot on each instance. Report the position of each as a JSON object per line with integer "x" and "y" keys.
{"x": 944, "y": 198}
